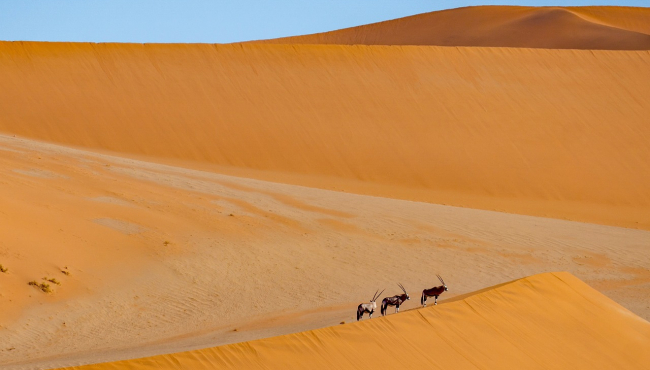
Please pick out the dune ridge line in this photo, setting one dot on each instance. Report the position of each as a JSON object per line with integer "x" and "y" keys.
{"x": 552, "y": 27}
{"x": 550, "y": 320}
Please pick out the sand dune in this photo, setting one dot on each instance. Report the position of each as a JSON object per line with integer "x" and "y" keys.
{"x": 603, "y": 28}
{"x": 164, "y": 259}
{"x": 556, "y": 133}
{"x": 156, "y": 199}
{"x": 548, "y": 321}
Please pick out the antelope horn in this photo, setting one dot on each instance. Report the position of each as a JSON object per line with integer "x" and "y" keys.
{"x": 379, "y": 294}
{"x": 374, "y": 296}
{"x": 402, "y": 287}
{"x": 440, "y": 278}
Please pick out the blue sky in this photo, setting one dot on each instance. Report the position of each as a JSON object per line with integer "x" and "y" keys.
{"x": 210, "y": 21}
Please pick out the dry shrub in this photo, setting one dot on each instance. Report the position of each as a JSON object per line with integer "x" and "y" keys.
{"x": 52, "y": 280}
{"x": 45, "y": 288}
{"x": 42, "y": 286}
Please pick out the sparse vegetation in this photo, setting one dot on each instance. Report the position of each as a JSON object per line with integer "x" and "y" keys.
{"x": 52, "y": 280}
{"x": 3, "y": 269}
{"x": 45, "y": 287}
{"x": 65, "y": 271}
{"x": 166, "y": 242}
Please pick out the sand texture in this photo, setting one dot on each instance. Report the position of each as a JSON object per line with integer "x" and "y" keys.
{"x": 193, "y": 206}
{"x": 599, "y": 28}
{"x": 548, "y": 321}
{"x": 556, "y": 133}
{"x": 163, "y": 259}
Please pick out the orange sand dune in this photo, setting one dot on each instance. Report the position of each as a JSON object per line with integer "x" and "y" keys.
{"x": 556, "y": 133}
{"x": 548, "y": 321}
{"x": 164, "y": 259}
{"x": 603, "y": 28}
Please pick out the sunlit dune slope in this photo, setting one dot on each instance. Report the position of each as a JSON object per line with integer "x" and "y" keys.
{"x": 559, "y": 133}
{"x": 605, "y": 28}
{"x": 548, "y": 321}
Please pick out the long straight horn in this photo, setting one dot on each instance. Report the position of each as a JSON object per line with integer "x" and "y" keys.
{"x": 379, "y": 294}
{"x": 374, "y": 296}
{"x": 440, "y": 278}
{"x": 402, "y": 287}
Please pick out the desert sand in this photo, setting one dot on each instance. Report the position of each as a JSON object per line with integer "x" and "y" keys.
{"x": 201, "y": 198}
{"x": 590, "y": 27}
{"x": 555, "y": 133}
{"x": 164, "y": 259}
{"x": 554, "y": 312}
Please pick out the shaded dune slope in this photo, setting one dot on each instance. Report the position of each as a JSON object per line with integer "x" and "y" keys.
{"x": 559, "y": 133}
{"x": 547, "y": 321}
{"x": 604, "y": 28}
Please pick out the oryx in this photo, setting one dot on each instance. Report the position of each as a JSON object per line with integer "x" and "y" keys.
{"x": 433, "y": 292}
{"x": 368, "y": 307}
{"x": 395, "y": 300}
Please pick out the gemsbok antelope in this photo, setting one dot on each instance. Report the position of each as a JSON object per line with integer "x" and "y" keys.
{"x": 368, "y": 307}
{"x": 433, "y": 292}
{"x": 395, "y": 300}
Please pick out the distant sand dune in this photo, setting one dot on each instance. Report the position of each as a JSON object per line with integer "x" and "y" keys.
{"x": 548, "y": 321}
{"x": 604, "y": 28}
{"x": 556, "y": 133}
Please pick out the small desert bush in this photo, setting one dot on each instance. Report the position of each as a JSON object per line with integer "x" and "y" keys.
{"x": 42, "y": 286}
{"x": 3, "y": 269}
{"x": 52, "y": 280}
{"x": 65, "y": 271}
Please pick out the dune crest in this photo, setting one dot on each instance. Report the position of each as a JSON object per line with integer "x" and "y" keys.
{"x": 552, "y": 320}
{"x": 603, "y": 28}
